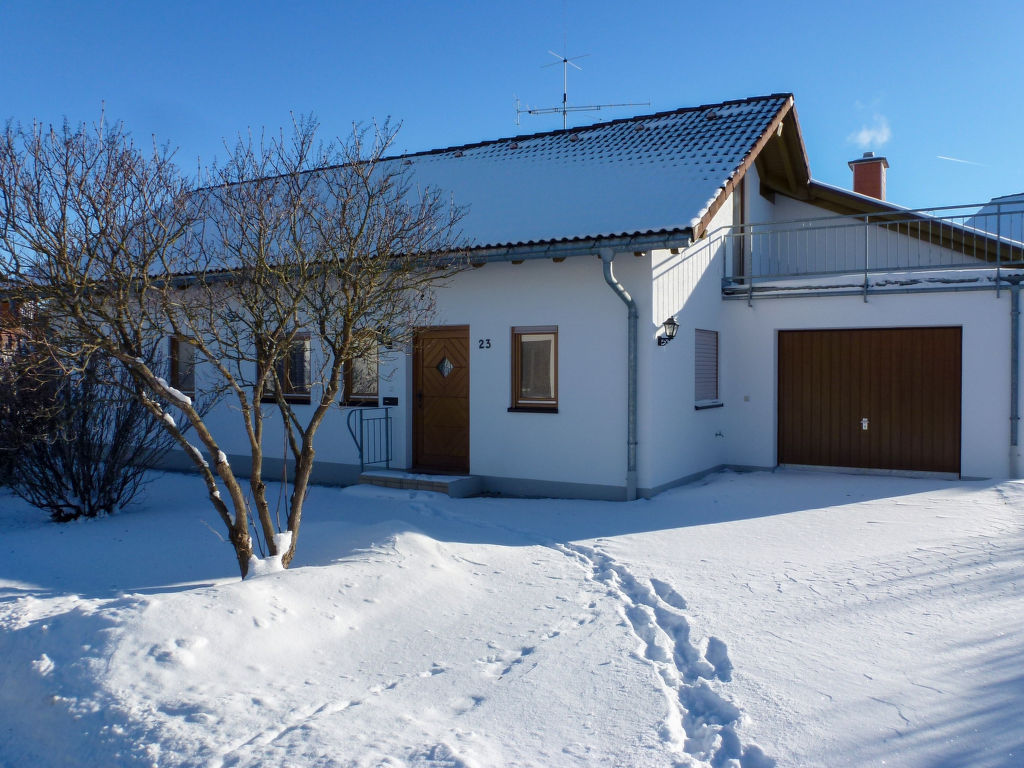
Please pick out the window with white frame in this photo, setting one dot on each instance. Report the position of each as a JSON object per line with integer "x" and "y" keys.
{"x": 705, "y": 368}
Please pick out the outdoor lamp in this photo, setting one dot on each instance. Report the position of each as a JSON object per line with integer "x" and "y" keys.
{"x": 669, "y": 327}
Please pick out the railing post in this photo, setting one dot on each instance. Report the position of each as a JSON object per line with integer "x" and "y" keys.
{"x": 866, "y": 250}
{"x": 999, "y": 220}
{"x": 362, "y": 441}
{"x": 726, "y": 257}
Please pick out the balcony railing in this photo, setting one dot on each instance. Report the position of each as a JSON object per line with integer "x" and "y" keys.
{"x": 984, "y": 236}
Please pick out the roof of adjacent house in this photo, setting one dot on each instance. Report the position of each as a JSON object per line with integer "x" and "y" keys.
{"x": 659, "y": 173}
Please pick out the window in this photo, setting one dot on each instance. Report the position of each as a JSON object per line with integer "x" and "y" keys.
{"x": 705, "y": 369}
{"x": 293, "y": 372}
{"x": 183, "y": 366}
{"x": 360, "y": 380}
{"x": 535, "y": 369}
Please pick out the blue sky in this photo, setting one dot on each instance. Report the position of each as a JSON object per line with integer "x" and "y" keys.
{"x": 919, "y": 81}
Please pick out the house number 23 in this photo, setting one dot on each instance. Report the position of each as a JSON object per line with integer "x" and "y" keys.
{"x": 484, "y": 343}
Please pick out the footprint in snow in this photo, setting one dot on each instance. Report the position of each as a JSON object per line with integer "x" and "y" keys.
{"x": 666, "y": 592}
{"x": 717, "y": 654}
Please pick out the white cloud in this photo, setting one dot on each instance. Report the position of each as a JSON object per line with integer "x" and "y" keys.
{"x": 874, "y": 135}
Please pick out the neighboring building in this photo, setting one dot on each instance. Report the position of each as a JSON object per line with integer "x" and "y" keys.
{"x": 8, "y": 329}
{"x": 816, "y": 326}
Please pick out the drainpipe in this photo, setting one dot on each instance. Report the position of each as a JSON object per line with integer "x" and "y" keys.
{"x": 607, "y": 256}
{"x": 1014, "y": 375}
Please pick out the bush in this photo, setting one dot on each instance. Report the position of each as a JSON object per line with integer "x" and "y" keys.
{"x": 76, "y": 446}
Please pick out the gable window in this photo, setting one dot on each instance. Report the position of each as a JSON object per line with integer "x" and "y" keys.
{"x": 535, "y": 368}
{"x": 293, "y": 372}
{"x": 705, "y": 369}
{"x": 183, "y": 366}
{"x": 360, "y": 380}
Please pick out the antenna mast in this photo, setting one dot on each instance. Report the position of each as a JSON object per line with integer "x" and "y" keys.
{"x": 565, "y": 109}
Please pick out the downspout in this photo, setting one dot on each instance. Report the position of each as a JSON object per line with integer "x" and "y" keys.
{"x": 1014, "y": 375}
{"x": 607, "y": 256}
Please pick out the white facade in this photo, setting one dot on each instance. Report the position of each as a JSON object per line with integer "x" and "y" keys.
{"x": 581, "y": 449}
{"x": 807, "y": 277}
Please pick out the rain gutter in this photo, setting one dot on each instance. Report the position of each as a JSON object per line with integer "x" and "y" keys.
{"x": 607, "y": 256}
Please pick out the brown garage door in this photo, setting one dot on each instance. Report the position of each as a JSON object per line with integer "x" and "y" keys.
{"x": 885, "y": 398}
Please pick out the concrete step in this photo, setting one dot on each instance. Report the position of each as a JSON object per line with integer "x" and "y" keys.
{"x": 456, "y": 486}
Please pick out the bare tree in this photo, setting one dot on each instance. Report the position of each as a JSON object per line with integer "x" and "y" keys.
{"x": 294, "y": 260}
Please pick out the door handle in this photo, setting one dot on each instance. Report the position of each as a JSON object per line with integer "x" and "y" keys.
{"x": 864, "y": 423}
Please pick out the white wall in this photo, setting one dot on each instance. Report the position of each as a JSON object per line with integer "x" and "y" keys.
{"x": 333, "y": 442}
{"x": 750, "y": 379}
{"x": 585, "y": 442}
{"x": 676, "y": 440}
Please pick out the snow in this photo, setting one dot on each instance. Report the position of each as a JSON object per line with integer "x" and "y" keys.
{"x": 169, "y": 419}
{"x": 272, "y": 563}
{"x": 283, "y": 541}
{"x": 180, "y": 397}
{"x": 196, "y": 454}
{"x": 788, "y": 618}
{"x": 665, "y": 169}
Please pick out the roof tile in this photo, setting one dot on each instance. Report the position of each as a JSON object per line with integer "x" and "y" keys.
{"x": 653, "y": 173}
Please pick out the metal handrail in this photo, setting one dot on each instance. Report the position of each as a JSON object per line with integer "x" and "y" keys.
{"x": 989, "y": 235}
{"x": 371, "y": 434}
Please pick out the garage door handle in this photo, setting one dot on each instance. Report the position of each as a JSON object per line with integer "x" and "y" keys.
{"x": 864, "y": 424}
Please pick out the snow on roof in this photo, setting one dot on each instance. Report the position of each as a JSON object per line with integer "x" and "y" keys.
{"x": 648, "y": 174}
{"x": 1004, "y": 204}
{"x": 1001, "y": 216}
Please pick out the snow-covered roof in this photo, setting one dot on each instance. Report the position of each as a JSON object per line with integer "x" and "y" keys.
{"x": 1001, "y": 205}
{"x": 649, "y": 174}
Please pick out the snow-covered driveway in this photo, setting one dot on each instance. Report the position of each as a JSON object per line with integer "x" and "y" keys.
{"x": 795, "y": 619}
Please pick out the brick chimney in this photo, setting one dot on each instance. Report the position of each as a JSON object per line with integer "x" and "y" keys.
{"x": 869, "y": 175}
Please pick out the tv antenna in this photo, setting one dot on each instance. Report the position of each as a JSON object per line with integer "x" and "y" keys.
{"x": 565, "y": 108}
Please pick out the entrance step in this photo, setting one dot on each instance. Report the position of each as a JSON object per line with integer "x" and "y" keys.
{"x": 456, "y": 486}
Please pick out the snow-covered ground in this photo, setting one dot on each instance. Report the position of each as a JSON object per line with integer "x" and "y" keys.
{"x": 789, "y": 619}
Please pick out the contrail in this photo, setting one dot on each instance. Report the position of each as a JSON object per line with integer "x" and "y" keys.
{"x": 958, "y": 160}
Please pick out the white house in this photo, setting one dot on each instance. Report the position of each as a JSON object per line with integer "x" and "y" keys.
{"x": 815, "y": 326}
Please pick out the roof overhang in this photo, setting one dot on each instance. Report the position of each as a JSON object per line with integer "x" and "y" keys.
{"x": 582, "y": 247}
{"x": 846, "y": 202}
{"x": 781, "y": 161}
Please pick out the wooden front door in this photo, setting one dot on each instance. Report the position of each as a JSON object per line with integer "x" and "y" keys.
{"x": 886, "y": 398}
{"x": 441, "y": 399}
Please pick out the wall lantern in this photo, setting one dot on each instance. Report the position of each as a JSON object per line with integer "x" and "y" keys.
{"x": 669, "y": 327}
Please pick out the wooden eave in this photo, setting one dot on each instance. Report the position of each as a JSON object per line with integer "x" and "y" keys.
{"x": 846, "y": 203}
{"x": 781, "y": 160}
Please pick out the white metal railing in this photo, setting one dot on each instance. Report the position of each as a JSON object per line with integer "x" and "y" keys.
{"x": 987, "y": 235}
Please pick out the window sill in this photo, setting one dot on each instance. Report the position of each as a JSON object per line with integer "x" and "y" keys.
{"x": 359, "y": 404}
{"x": 532, "y": 409}
{"x": 703, "y": 405}
{"x": 293, "y": 399}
